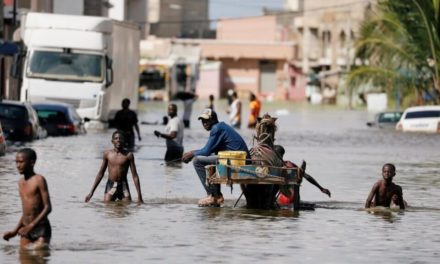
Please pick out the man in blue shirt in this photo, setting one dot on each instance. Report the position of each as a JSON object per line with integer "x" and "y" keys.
{"x": 221, "y": 137}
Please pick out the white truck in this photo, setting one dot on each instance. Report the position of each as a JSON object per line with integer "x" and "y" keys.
{"x": 89, "y": 62}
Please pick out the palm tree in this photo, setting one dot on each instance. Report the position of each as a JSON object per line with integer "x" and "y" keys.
{"x": 399, "y": 47}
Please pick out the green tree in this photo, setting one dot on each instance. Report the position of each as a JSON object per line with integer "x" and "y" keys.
{"x": 399, "y": 47}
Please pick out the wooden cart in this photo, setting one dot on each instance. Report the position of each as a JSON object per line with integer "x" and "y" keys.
{"x": 255, "y": 174}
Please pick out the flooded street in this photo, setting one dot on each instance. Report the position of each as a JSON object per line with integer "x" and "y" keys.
{"x": 342, "y": 153}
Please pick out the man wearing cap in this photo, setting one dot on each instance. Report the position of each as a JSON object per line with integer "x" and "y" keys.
{"x": 221, "y": 137}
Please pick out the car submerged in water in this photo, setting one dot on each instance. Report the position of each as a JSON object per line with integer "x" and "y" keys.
{"x": 420, "y": 119}
{"x": 20, "y": 121}
{"x": 59, "y": 119}
{"x": 386, "y": 119}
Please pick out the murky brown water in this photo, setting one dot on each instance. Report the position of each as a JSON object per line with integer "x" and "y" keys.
{"x": 342, "y": 154}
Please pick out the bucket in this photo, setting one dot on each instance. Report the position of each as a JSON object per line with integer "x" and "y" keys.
{"x": 237, "y": 158}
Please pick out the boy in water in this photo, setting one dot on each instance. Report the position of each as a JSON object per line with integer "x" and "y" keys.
{"x": 118, "y": 161}
{"x": 286, "y": 200}
{"x": 384, "y": 190}
{"x": 33, "y": 226}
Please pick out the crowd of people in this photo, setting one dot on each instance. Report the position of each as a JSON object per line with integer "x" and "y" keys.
{"x": 34, "y": 227}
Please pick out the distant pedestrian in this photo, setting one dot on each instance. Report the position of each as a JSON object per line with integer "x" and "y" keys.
{"x": 173, "y": 135}
{"x": 235, "y": 111}
{"x": 33, "y": 226}
{"x": 118, "y": 160}
{"x": 187, "y": 109}
{"x": 211, "y": 102}
{"x": 254, "y": 107}
{"x": 230, "y": 93}
{"x": 125, "y": 120}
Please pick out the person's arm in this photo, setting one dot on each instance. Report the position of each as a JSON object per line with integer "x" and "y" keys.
{"x": 135, "y": 178}
{"x": 212, "y": 145}
{"x": 10, "y": 234}
{"x": 174, "y": 126}
{"x": 98, "y": 177}
{"x": 371, "y": 195}
{"x": 47, "y": 207}
{"x": 400, "y": 200}
{"x": 312, "y": 180}
{"x": 171, "y": 135}
{"x": 136, "y": 127}
{"x": 188, "y": 156}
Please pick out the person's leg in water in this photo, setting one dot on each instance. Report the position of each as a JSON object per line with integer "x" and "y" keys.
{"x": 38, "y": 238}
{"x": 186, "y": 123}
{"x": 215, "y": 197}
{"x": 173, "y": 154}
{"x": 117, "y": 191}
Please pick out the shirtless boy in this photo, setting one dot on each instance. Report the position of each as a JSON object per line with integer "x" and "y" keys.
{"x": 384, "y": 190}
{"x": 118, "y": 161}
{"x": 33, "y": 226}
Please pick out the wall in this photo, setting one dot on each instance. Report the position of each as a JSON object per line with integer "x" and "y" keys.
{"x": 250, "y": 29}
{"x": 209, "y": 80}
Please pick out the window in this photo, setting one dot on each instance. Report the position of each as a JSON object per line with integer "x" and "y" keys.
{"x": 423, "y": 114}
{"x": 66, "y": 66}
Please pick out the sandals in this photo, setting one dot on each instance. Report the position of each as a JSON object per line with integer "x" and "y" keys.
{"x": 211, "y": 201}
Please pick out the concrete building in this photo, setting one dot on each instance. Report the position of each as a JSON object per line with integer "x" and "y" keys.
{"x": 178, "y": 18}
{"x": 252, "y": 60}
{"x": 326, "y": 31}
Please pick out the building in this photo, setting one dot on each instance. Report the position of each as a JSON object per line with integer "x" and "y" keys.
{"x": 325, "y": 32}
{"x": 178, "y": 18}
{"x": 251, "y": 60}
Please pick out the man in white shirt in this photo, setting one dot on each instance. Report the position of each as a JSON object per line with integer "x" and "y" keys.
{"x": 235, "y": 111}
{"x": 173, "y": 135}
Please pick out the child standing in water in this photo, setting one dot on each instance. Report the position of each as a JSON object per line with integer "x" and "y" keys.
{"x": 118, "y": 161}
{"x": 384, "y": 190}
{"x": 33, "y": 226}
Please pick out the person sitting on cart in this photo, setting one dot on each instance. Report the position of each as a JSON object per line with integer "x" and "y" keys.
{"x": 288, "y": 199}
{"x": 221, "y": 137}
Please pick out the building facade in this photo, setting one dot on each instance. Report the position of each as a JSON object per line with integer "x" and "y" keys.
{"x": 178, "y": 18}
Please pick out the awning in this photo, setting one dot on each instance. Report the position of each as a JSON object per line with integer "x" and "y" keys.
{"x": 8, "y": 48}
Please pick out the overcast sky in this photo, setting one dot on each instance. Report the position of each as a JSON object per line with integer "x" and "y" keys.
{"x": 240, "y": 8}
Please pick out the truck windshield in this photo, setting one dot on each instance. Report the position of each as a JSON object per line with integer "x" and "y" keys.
{"x": 66, "y": 66}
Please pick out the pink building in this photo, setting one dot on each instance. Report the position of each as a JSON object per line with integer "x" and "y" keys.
{"x": 253, "y": 59}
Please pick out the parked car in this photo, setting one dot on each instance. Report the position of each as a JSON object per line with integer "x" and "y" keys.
{"x": 420, "y": 119}
{"x": 386, "y": 119}
{"x": 20, "y": 121}
{"x": 2, "y": 142}
{"x": 60, "y": 119}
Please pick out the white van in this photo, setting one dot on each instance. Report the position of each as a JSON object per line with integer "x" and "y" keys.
{"x": 420, "y": 119}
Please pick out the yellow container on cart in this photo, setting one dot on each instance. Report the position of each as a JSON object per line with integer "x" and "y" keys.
{"x": 236, "y": 158}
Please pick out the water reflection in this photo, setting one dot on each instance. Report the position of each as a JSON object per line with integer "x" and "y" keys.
{"x": 342, "y": 153}
{"x": 34, "y": 256}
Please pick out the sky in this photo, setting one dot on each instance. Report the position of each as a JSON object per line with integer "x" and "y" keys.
{"x": 240, "y": 8}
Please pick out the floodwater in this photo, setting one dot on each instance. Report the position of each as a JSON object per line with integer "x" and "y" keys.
{"x": 342, "y": 153}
